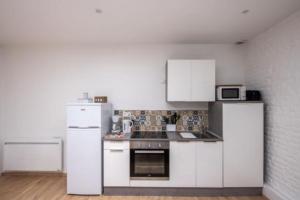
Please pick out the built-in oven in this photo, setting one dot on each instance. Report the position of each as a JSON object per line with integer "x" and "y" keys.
{"x": 149, "y": 160}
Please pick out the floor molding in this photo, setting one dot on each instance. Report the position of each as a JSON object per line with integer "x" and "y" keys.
{"x": 32, "y": 173}
{"x": 157, "y": 191}
{"x": 273, "y": 194}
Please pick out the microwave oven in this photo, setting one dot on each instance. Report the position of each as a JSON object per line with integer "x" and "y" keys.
{"x": 231, "y": 92}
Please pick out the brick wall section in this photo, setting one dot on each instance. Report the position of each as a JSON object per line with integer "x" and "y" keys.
{"x": 1, "y": 108}
{"x": 274, "y": 68}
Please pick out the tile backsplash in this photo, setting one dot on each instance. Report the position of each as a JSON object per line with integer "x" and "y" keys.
{"x": 153, "y": 120}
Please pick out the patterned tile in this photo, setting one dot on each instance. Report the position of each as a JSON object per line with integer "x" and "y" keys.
{"x": 153, "y": 120}
{"x": 116, "y": 112}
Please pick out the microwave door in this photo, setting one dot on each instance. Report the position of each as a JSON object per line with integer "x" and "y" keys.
{"x": 231, "y": 93}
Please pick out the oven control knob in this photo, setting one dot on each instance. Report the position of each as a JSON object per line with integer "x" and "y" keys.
{"x": 149, "y": 145}
{"x": 159, "y": 145}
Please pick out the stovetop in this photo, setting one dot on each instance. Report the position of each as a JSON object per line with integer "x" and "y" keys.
{"x": 149, "y": 135}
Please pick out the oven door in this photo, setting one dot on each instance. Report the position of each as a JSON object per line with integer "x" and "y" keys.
{"x": 149, "y": 164}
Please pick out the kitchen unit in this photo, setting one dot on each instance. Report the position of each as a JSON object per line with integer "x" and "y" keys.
{"x": 191, "y": 80}
{"x": 240, "y": 123}
{"x": 86, "y": 123}
{"x": 193, "y": 163}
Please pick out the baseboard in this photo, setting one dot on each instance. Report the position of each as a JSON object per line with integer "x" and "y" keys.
{"x": 155, "y": 191}
{"x": 273, "y": 194}
{"x": 32, "y": 173}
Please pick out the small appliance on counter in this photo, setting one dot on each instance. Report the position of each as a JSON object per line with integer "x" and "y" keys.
{"x": 231, "y": 92}
{"x": 116, "y": 125}
{"x": 127, "y": 125}
{"x": 253, "y": 95}
{"x": 127, "y": 122}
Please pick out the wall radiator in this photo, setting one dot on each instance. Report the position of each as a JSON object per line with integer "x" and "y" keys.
{"x": 32, "y": 155}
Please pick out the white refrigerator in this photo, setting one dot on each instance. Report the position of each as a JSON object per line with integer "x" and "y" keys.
{"x": 86, "y": 123}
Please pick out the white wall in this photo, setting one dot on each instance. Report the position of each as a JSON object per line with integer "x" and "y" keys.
{"x": 39, "y": 81}
{"x": 274, "y": 68}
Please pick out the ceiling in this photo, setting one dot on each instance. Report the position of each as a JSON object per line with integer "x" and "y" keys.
{"x": 137, "y": 21}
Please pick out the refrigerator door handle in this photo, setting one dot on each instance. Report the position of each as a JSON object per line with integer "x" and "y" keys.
{"x": 93, "y": 126}
{"x": 73, "y": 127}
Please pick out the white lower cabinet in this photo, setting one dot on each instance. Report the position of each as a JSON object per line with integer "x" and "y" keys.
{"x": 192, "y": 164}
{"x": 183, "y": 164}
{"x": 209, "y": 164}
{"x": 116, "y": 164}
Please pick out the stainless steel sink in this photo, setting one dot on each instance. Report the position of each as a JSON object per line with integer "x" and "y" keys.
{"x": 191, "y": 135}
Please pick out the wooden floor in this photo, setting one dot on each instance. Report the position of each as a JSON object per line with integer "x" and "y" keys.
{"x": 54, "y": 188}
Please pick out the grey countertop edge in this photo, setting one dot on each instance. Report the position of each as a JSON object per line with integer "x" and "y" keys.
{"x": 172, "y": 136}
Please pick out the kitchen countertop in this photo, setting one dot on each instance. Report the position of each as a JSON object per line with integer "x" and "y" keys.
{"x": 172, "y": 136}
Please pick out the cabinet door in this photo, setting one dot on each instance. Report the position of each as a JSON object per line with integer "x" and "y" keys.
{"x": 116, "y": 167}
{"x": 243, "y": 144}
{"x": 183, "y": 164}
{"x": 84, "y": 116}
{"x": 209, "y": 164}
{"x": 203, "y": 80}
{"x": 179, "y": 80}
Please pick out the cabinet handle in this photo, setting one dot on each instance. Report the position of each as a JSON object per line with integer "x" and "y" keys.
{"x": 116, "y": 150}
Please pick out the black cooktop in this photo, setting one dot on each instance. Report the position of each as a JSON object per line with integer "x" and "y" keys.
{"x": 150, "y": 134}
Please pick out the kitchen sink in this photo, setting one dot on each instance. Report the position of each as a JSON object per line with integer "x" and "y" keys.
{"x": 190, "y": 135}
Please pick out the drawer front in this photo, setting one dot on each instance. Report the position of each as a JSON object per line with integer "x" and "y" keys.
{"x": 116, "y": 144}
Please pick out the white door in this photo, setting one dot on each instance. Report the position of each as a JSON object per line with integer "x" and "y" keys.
{"x": 243, "y": 144}
{"x": 209, "y": 164}
{"x": 83, "y": 116}
{"x": 116, "y": 163}
{"x": 84, "y": 161}
{"x": 179, "y": 80}
{"x": 183, "y": 164}
{"x": 203, "y": 80}
{"x": 116, "y": 167}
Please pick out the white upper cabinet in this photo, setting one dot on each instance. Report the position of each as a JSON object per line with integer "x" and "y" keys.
{"x": 179, "y": 80}
{"x": 191, "y": 80}
{"x": 203, "y": 80}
